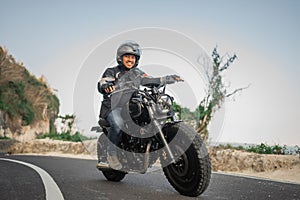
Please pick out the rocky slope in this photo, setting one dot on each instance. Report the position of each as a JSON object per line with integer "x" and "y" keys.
{"x": 28, "y": 105}
{"x": 238, "y": 161}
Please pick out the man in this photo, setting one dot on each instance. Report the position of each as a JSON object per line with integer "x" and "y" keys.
{"x": 116, "y": 79}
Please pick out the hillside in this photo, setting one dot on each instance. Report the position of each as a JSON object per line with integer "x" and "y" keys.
{"x": 27, "y": 104}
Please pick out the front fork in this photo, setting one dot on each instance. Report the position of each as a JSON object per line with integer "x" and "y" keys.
{"x": 161, "y": 134}
{"x": 162, "y": 137}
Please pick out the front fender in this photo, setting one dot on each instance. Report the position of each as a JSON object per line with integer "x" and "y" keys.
{"x": 170, "y": 129}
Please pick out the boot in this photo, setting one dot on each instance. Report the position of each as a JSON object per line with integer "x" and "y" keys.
{"x": 102, "y": 165}
{"x": 114, "y": 162}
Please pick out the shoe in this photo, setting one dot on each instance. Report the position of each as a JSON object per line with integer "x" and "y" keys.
{"x": 114, "y": 162}
{"x": 102, "y": 165}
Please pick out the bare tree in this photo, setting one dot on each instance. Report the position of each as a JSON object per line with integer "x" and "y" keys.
{"x": 216, "y": 93}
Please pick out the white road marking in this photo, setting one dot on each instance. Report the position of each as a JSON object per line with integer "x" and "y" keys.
{"x": 52, "y": 190}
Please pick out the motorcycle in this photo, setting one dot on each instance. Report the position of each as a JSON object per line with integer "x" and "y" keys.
{"x": 151, "y": 135}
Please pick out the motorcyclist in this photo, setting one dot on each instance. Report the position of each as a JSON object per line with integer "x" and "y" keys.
{"x": 115, "y": 79}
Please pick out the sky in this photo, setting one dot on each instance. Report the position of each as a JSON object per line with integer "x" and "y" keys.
{"x": 55, "y": 39}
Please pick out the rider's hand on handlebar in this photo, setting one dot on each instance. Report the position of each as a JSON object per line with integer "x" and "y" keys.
{"x": 178, "y": 78}
{"x": 170, "y": 79}
{"x": 109, "y": 88}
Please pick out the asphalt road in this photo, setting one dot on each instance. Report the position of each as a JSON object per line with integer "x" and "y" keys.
{"x": 78, "y": 179}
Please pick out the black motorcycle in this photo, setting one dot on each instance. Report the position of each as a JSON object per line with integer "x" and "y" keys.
{"x": 152, "y": 136}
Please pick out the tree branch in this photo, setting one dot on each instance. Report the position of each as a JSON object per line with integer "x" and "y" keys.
{"x": 237, "y": 90}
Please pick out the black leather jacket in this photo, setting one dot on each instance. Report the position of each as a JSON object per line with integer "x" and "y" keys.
{"x": 122, "y": 78}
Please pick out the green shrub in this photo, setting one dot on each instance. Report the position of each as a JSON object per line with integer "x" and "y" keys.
{"x": 240, "y": 147}
{"x": 297, "y": 150}
{"x": 4, "y": 138}
{"x": 15, "y": 103}
{"x": 27, "y": 114}
{"x": 266, "y": 149}
{"x": 66, "y": 136}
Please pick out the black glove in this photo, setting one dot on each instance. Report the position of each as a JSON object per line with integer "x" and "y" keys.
{"x": 170, "y": 79}
{"x": 107, "y": 85}
{"x": 101, "y": 88}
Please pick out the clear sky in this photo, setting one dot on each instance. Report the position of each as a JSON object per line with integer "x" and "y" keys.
{"x": 53, "y": 38}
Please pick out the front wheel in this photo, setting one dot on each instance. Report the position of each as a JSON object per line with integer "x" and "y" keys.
{"x": 190, "y": 174}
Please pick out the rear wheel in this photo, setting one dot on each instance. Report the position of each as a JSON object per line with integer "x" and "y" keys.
{"x": 113, "y": 175}
{"x": 190, "y": 174}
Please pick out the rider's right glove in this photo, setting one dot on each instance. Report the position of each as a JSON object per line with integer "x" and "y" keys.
{"x": 170, "y": 79}
{"x": 103, "y": 87}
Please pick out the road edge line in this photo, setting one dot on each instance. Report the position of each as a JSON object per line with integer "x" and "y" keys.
{"x": 51, "y": 188}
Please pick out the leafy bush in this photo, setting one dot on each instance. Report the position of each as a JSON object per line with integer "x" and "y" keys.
{"x": 266, "y": 149}
{"x": 27, "y": 114}
{"x": 66, "y": 136}
{"x": 297, "y": 150}
{"x": 184, "y": 113}
{"x": 16, "y": 102}
{"x": 230, "y": 146}
{"x": 3, "y": 106}
{"x": 4, "y": 138}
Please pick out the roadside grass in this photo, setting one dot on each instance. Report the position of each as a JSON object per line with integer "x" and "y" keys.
{"x": 65, "y": 136}
{"x": 264, "y": 148}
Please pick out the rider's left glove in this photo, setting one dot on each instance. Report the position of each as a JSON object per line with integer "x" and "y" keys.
{"x": 170, "y": 79}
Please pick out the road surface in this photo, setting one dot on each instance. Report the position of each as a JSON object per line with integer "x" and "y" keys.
{"x": 78, "y": 179}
